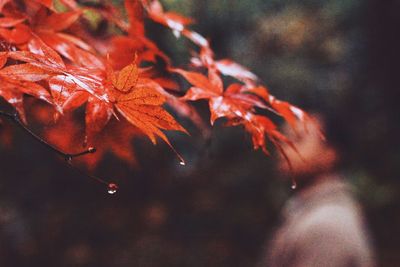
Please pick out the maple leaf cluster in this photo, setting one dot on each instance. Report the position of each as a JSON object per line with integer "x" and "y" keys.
{"x": 49, "y": 52}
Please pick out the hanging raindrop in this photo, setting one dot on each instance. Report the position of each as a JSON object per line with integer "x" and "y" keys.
{"x": 294, "y": 185}
{"x": 182, "y": 162}
{"x": 112, "y": 188}
{"x": 68, "y": 159}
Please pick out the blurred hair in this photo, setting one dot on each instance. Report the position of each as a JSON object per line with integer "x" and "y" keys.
{"x": 334, "y": 131}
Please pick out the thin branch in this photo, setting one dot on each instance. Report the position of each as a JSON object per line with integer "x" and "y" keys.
{"x": 79, "y": 171}
{"x": 67, "y": 156}
{"x": 14, "y": 117}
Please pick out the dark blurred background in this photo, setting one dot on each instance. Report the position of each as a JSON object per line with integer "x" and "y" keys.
{"x": 339, "y": 58}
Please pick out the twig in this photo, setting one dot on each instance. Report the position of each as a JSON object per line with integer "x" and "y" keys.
{"x": 14, "y": 117}
{"x": 67, "y": 156}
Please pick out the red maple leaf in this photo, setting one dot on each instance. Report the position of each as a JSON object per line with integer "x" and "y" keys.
{"x": 140, "y": 103}
{"x": 226, "y": 67}
{"x": 50, "y": 27}
{"x": 176, "y": 22}
{"x": 230, "y": 103}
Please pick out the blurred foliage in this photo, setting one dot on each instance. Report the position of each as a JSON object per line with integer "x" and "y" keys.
{"x": 335, "y": 57}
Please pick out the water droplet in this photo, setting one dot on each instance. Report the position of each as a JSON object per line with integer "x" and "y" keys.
{"x": 112, "y": 188}
{"x": 294, "y": 185}
{"x": 91, "y": 149}
{"x": 182, "y": 162}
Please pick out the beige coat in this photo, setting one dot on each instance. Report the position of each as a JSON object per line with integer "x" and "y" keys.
{"x": 323, "y": 226}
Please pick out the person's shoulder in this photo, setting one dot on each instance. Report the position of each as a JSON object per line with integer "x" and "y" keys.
{"x": 332, "y": 214}
{"x": 333, "y": 220}
{"x": 331, "y": 203}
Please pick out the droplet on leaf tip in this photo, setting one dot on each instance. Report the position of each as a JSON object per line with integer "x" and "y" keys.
{"x": 112, "y": 188}
{"x": 91, "y": 149}
{"x": 181, "y": 160}
{"x": 294, "y": 185}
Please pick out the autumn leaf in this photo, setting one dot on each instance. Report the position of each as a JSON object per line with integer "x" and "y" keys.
{"x": 172, "y": 20}
{"x": 13, "y": 91}
{"x": 123, "y": 48}
{"x": 10, "y": 22}
{"x": 47, "y": 3}
{"x": 289, "y": 112}
{"x": 3, "y": 3}
{"x": 168, "y": 87}
{"x": 3, "y": 59}
{"x": 134, "y": 9}
{"x": 45, "y": 54}
{"x": 230, "y": 103}
{"x": 97, "y": 115}
{"x": 19, "y": 34}
{"x": 176, "y": 22}
{"x": 237, "y": 104}
{"x": 126, "y": 79}
{"x": 66, "y": 93}
{"x": 261, "y": 129}
{"x": 50, "y": 27}
{"x": 25, "y": 72}
{"x": 141, "y": 104}
{"x": 226, "y": 67}
{"x": 69, "y": 87}
{"x": 57, "y": 21}
{"x": 70, "y": 3}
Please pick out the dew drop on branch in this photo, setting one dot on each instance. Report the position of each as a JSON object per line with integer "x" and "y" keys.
{"x": 112, "y": 188}
{"x": 294, "y": 185}
{"x": 182, "y": 162}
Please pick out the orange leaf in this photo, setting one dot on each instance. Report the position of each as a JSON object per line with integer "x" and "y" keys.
{"x": 3, "y": 3}
{"x": 61, "y": 21}
{"x": 18, "y": 35}
{"x": 38, "y": 47}
{"x": 13, "y": 90}
{"x": 3, "y": 59}
{"x": 284, "y": 108}
{"x": 141, "y": 104}
{"x": 197, "y": 80}
{"x": 135, "y": 14}
{"x": 10, "y": 22}
{"x": 46, "y": 3}
{"x": 26, "y": 72}
{"x": 126, "y": 79}
{"x": 98, "y": 113}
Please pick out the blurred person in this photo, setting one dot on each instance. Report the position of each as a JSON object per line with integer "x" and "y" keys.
{"x": 322, "y": 223}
